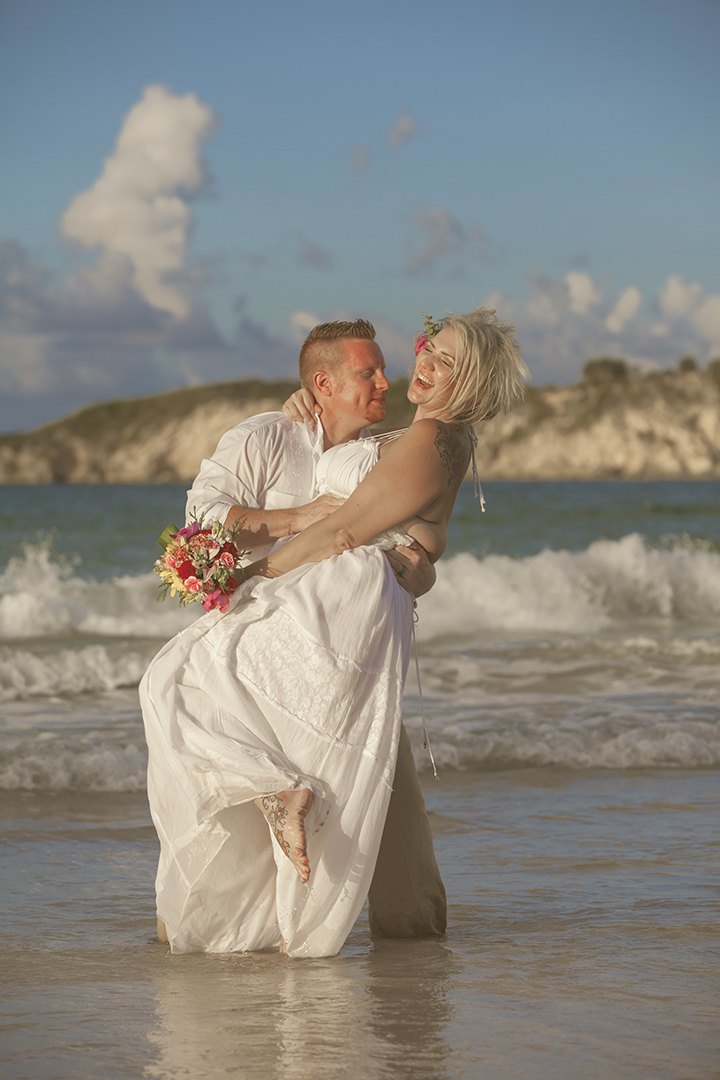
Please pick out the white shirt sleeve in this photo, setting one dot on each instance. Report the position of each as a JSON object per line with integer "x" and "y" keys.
{"x": 240, "y": 470}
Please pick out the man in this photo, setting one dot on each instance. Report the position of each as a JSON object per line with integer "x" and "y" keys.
{"x": 261, "y": 481}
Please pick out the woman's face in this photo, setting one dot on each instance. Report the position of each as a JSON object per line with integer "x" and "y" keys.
{"x": 434, "y": 377}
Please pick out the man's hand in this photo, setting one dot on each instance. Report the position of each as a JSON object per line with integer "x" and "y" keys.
{"x": 302, "y": 408}
{"x": 302, "y": 516}
{"x": 256, "y": 527}
{"x": 412, "y": 568}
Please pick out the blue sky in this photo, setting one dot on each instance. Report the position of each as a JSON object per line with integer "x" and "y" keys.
{"x": 559, "y": 161}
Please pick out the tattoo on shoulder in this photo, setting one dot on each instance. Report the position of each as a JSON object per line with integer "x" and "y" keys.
{"x": 453, "y": 452}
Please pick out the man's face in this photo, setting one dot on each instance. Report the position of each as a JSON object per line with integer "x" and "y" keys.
{"x": 359, "y": 386}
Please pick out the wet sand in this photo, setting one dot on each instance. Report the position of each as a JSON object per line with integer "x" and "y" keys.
{"x": 582, "y": 921}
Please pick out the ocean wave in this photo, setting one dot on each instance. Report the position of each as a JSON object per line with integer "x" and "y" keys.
{"x": 97, "y": 762}
{"x": 50, "y": 762}
{"x": 610, "y": 584}
{"x": 687, "y": 744}
{"x": 42, "y": 596}
{"x": 66, "y": 672}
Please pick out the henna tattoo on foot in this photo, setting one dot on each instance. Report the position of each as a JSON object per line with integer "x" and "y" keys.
{"x": 285, "y": 813}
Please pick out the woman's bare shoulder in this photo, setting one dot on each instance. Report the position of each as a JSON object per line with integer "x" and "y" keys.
{"x": 450, "y": 442}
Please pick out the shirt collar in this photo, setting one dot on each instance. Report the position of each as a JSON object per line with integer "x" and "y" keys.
{"x": 317, "y": 437}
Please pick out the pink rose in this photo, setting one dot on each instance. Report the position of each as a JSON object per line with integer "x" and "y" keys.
{"x": 226, "y": 559}
{"x": 420, "y": 343}
{"x": 192, "y": 584}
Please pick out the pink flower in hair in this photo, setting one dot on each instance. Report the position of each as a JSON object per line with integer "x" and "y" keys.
{"x": 420, "y": 342}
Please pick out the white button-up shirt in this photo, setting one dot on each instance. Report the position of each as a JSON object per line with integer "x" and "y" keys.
{"x": 264, "y": 463}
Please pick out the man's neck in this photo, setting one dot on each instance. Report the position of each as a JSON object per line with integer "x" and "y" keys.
{"x": 338, "y": 431}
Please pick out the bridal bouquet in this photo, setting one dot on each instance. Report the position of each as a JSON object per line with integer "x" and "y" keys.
{"x": 197, "y": 563}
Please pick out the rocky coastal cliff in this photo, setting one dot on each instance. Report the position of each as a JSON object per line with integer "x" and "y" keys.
{"x": 610, "y": 425}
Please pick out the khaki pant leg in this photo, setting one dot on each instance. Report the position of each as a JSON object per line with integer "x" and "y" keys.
{"x": 407, "y": 896}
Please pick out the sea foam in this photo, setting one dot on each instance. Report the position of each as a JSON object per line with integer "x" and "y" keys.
{"x": 68, "y": 764}
{"x": 610, "y": 742}
{"x": 110, "y": 760}
{"x": 44, "y": 597}
{"x": 610, "y": 583}
{"x": 67, "y": 672}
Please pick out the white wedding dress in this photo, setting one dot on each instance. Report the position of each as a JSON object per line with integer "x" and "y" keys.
{"x": 298, "y": 685}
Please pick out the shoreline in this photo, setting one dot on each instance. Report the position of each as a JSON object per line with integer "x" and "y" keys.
{"x": 579, "y": 945}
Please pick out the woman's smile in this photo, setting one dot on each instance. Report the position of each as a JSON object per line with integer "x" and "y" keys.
{"x": 434, "y": 377}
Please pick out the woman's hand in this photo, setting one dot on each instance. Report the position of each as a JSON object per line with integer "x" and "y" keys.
{"x": 302, "y": 408}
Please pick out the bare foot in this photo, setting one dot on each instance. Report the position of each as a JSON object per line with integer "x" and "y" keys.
{"x": 161, "y": 931}
{"x": 285, "y": 813}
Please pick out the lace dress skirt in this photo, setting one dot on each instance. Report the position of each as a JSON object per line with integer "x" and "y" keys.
{"x": 299, "y": 684}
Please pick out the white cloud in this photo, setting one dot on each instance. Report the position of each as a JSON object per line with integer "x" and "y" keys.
{"x": 584, "y": 294}
{"x": 137, "y": 210}
{"x": 301, "y": 323}
{"x": 678, "y": 297}
{"x": 625, "y": 309}
{"x": 403, "y": 129}
{"x": 706, "y": 320}
{"x": 557, "y": 338}
{"x": 93, "y": 336}
{"x": 541, "y": 308}
{"x": 684, "y": 305}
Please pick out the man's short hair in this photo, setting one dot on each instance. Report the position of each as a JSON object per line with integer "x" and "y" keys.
{"x": 320, "y": 350}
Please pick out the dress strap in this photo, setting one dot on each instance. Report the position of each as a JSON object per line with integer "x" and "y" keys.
{"x": 476, "y": 480}
{"x": 388, "y": 436}
{"x": 426, "y": 737}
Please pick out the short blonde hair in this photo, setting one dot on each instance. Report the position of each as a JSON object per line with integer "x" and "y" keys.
{"x": 320, "y": 350}
{"x": 490, "y": 373}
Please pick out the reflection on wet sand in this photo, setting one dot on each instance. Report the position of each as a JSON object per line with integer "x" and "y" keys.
{"x": 381, "y": 1014}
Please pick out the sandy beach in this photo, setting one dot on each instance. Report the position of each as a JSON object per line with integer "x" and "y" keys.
{"x": 580, "y": 944}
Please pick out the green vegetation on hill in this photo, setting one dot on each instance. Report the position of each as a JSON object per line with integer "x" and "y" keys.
{"x": 134, "y": 416}
{"x": 614, "y": 422}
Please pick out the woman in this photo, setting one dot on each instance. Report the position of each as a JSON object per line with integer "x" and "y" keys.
{"x": 281, "y": 718}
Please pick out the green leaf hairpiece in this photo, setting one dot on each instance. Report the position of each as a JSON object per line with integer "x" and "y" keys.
{"x": 431, "y": 327}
